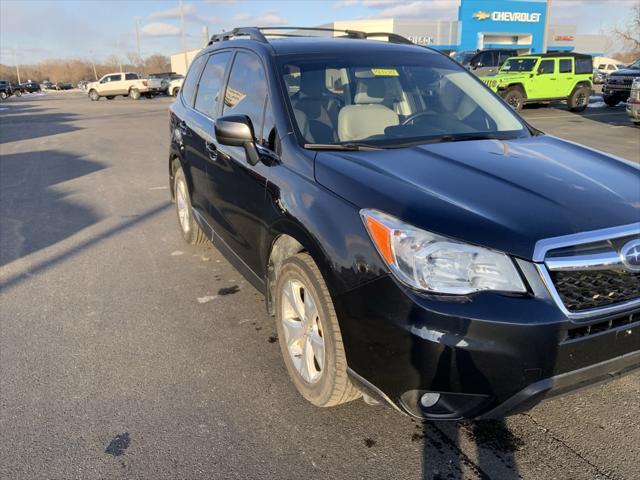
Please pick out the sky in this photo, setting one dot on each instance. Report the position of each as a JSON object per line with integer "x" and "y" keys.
{"x": 33, "y": 30}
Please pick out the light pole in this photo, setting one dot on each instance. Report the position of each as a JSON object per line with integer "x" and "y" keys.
{"x": 184, "y": 40}
{"x": 15, "y": 59}
{"x": 138, "y": 44}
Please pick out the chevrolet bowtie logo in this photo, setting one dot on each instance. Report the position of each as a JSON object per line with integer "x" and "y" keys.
{"x": 481, "y": 15}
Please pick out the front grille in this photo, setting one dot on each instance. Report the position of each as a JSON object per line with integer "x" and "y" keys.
{"x": 584, "y": 290}
{"x": 604, "y": 326}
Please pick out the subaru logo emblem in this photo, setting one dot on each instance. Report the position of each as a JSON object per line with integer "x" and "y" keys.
{"x": 630, "y": 255}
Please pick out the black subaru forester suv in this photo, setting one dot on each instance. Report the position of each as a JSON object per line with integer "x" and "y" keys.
{"x": 417, "y": 242}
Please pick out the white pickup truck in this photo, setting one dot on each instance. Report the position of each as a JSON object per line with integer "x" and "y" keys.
{"x": 127, "y": 84}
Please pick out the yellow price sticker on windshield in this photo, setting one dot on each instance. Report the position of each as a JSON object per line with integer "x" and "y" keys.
{"x": 385, "y": 72}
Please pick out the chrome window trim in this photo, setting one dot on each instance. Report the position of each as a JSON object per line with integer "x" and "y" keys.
{"x": 543, "y": 246}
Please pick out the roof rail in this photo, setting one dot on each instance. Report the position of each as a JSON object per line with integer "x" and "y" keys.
{"x": 260, "y": 34}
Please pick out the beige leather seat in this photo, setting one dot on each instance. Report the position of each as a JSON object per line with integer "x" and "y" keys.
{"x": 368, "y": 117}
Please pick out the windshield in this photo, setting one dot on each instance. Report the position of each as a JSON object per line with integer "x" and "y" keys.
{"x": 519, "y": 65}
{"x": 420, "y": 98}
{"x": 635, "y": 65}
{"x": 463, "y": 57}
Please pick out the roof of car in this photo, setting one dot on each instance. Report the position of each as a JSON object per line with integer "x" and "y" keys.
{"x": 294, "y": 40}
{"x": 558, "y": 54}
{"x": 286, "y": 46}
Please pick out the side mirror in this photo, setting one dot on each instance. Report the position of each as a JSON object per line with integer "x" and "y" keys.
{"x": 237, "y": 131}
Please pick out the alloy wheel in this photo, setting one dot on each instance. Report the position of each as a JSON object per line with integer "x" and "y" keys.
{"x": 303, "y": 331}
{"x": 182, "y": 206}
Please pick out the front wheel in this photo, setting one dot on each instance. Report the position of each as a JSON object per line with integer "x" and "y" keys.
{"x": 514, "y": 96}
{"x": 579, "y": 99}
{"x": 3, "y": 95}
{"x": 18, "y": 93}
{"x": 611, "y": 100}
{"x": 175, "y": 92}
{"x": 134, "y": 94}
{"x": 93, "y": 95}
{"x": 191, "y": 231}
{"x": 309, "y": 334}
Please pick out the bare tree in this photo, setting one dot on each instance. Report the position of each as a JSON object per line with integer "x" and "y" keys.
{"x": 157, "y": 63}
{"x": 630, "y": 33}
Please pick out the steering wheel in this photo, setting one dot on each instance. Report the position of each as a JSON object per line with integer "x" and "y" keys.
{"x": 412, "y": 117}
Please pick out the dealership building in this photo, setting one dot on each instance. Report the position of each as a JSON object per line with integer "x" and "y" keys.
{"x": 520, "y": 25}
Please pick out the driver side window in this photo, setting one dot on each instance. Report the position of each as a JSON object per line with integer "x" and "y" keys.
{"x": 546, "y": 67}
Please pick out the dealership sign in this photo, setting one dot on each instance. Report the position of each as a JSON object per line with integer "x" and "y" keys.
{"x": 498, "y": 16}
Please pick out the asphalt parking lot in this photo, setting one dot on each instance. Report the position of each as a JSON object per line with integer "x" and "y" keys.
{"x": 125, "y": 353}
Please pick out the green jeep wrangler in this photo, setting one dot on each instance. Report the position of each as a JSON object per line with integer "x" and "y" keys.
{"x": 544, "y": 78}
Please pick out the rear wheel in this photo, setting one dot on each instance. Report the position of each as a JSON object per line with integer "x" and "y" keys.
{"x": 514, "y": 96}
{"x": 18, "y": 93}
{"x": 134, "y": 94}
{"x": 3, "y": 95}
{"x": 309, "y": 334}
{"x": 191, "y": 231}
{"x": 579, "y": 98}
{"x": 93, "y": 95}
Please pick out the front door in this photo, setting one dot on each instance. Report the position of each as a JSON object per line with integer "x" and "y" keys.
{"x": 545, "y": 84}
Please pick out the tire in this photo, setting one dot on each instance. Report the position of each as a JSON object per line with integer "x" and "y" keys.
{"x": 3, "y": 95}
{"x": 110, "y": 97}
{"x": 514, "y": 96}
{"x": 175, "y": 92}
{"x": 579, "y": 98}
{"x": 298, "y": 282}
{"x": 93, "y": 95}
{"x": 611, "y": 100}
{"x": 134, "y": 94}
{"x": 18, "y": 93}
{"x": 191, "y": 231}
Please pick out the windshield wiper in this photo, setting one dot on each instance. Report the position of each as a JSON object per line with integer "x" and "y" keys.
{"x": 341, "y": 146}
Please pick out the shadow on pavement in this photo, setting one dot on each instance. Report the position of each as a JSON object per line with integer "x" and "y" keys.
{"x": 21, "y": 121}
{"x": 34, "y": 213}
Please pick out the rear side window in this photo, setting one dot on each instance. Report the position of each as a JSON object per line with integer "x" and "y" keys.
{"x": 584, "y": 65}
{"x": 188, "y": 90}
{"x": 546, "y": 67}
{"x": 131, "y": 76}
{"x": 247, "y": 89}
{"x": 211, "y": 83}
{"x": 565, "y": 65}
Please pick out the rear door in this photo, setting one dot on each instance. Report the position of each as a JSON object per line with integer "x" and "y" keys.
{"x": 566, "y": 76}
{"x": 202, "y": 95}
{"x": 238, "y": 196}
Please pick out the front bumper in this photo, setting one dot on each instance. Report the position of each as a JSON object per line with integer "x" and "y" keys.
{"x": 487, "y": 355}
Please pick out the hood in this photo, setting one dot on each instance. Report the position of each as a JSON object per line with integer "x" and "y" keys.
{"x": 505, "y": 195}
{"x": 624, "y": 72}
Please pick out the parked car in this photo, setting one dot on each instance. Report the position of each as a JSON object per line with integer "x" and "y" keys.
{"x": 47, "y": 85}
{"x": 17, "y": 89}
{"x": 82, "y": 84}
{"x": 598, "y": 76}
{"x": 166, "y": 78}
{"x": 6, "y": 90}
{"x": 30, "y": 87}
{"x": 415, "y": 239}
{"x": 63, "y": 86}
{"x": 544, "y": 78}
{"x": 174, "y": 86}
{"x": 484, "y": 62}
{"x": 128, "y": 84}
{"x": 633, "y": 102}
{"x": 617, "y": 85}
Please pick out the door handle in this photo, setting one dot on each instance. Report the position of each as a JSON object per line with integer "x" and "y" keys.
{"x": 212, "y": 151}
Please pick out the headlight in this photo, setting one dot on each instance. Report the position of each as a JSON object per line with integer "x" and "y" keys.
{"x": 430, "y": 262}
